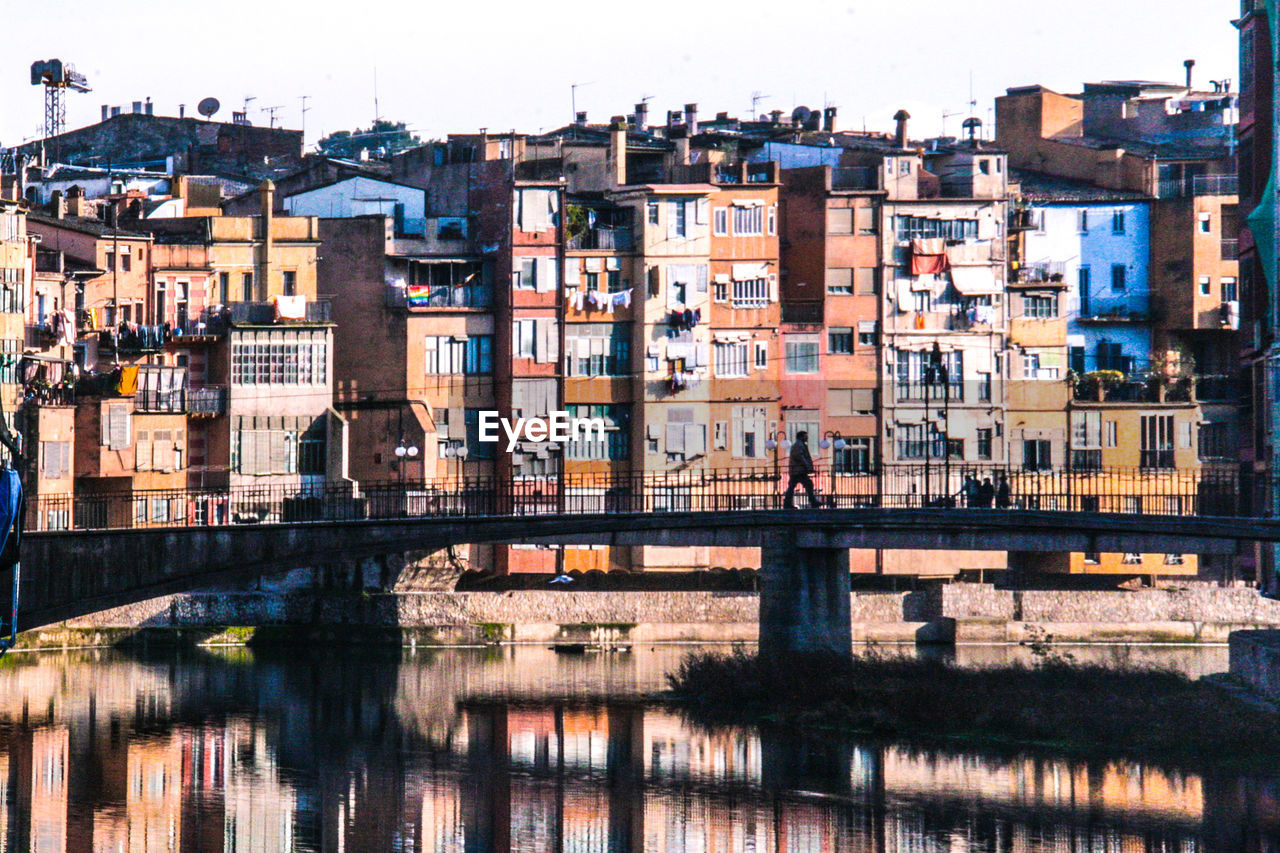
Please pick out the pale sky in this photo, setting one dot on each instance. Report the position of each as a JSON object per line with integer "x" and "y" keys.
{"x": 456, "y": 67}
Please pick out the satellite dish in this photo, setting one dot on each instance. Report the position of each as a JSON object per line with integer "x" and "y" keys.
{"x": 208, "y": 107}
{"x": 801, "y": 114}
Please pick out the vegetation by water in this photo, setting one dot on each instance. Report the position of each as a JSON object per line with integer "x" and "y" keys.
{"x": 1076, "y": 708}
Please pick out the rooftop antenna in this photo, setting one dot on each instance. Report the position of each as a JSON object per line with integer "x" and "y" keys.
{"x": 271, "y": 114}
{"x": 376, "y": 115}
{"x": 573, "y": 97}
{"x": 247, "y": 99}
{"x": 756, "y": 98}
{"x": 305, "y": 110}
{"x": 946, "y": 114}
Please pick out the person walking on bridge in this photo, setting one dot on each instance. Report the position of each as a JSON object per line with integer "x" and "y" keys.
{"x": 800, "y": 469}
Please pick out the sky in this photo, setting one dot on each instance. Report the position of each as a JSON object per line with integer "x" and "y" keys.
{"x": 457, "y": 67}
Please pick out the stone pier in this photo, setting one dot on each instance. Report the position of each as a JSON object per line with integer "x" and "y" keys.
{"x": 804, "y": 599}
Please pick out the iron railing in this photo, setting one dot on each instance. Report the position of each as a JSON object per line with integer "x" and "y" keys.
{"x": 1202, "y": 491}
{"x": 602, "y": 239}
{"x": 210, "y": 401}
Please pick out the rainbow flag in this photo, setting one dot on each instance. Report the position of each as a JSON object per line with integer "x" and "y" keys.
{"x": 419, "y": 295}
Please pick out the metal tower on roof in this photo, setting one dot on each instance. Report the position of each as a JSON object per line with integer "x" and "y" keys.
{"x": 56, "y": 76}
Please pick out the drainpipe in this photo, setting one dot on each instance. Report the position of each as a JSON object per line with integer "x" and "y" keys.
{"x": 267, "y": 190}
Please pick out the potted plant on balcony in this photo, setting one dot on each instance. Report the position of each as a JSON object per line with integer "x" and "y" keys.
{"x": 1097, "y": 383}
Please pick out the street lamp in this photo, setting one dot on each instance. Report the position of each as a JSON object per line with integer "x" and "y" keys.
{"x": 935, "y": 373}
{"x": 831, "y": 436}
{"x": 403, "y": 453}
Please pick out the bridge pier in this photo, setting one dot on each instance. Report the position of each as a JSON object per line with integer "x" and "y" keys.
{"x": 804, "y": 599}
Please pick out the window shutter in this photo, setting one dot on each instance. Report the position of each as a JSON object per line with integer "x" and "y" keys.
{"x": 64, "y": 468}
{"x": 702, "y": 278}
{"x": 162, "y": 452}
{"x": 671, "y": 220}
{"x": 261, "y": 451}
{"x": 142, "y": 451}
{"x": 244, "y": 464}
{"x": 548, "y": 344}
{"x": 695, "y": 439}
{"x": 545, "y": 277}
{"x": 572, "y": 274}
{"x": 118, "y": 426}
{"x": 721, "y": 435}
{"x": 690, "y": 215}
{"x": 704, "y": 206}
{"x": 675, "y": 438}
{"x": 862, "y": 400}
{"x": 839, "y": 402}
{"x": 48, "y": 469}
{"x": 279, "y": 452}
{"x": 773, "y": 288}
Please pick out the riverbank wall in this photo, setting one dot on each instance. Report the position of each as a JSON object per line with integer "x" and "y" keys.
{"x": 945, "y": 613}
{"x": 1255, "y": 661}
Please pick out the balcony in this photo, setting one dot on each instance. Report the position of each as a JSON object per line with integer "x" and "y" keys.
{"x": 264, "y": 313}
{"x": 135, "y": 339}
{"x": 1109, "y": 386}
{"x": 855, "y": 178}
{"x": 1042, "y": 272}
{"x": 1192, "y": 185}
{"x": 439, "y": 296}
{"x": 151, "y": 400}
{"x": 1230, "y": 249}
{"x": 209, "y": 401}
{"x": 802, "y": 312}
{"x": 602, "y": 239}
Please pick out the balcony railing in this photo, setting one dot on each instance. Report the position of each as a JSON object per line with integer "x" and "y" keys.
{"x": 802, "y": 312}
{"x": 1090, "y": 389}
{"x": 855, "y": 178}
{"x": 264, "y": 313}
{"x": 603, "y": 239}
{"x": 1043, "y": 271}
{"x": 1230, "y": 248}
{"x": 154, "y": 400}
{"x": 440, "y": 296}
{"x": 209, "y": 401}
{"x": 1197, "y": 185}
{"x": 134, "y": 339}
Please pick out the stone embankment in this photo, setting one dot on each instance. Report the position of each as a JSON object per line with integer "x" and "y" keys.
{"x": 957, "y": 612}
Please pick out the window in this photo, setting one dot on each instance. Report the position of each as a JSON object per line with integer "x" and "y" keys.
{"x": 840, "y": 340}
{"x": 1206, "y": 223}
{"x": 868, "y": 280}
{"x": 224, "y": 288}
{"x": 1157, "y": 441}
{"x": 915, "y": 376}
{"x": 126, "y": 260}
{"x": 264, "y": 451}
{"x": 1206, "y": 285}
{"x": 677, "y": 219}
{"x": 1083, "y": 278}
{"x": 749, "y": 430}
{"x": 1229, "y": 292}
{"x": 912, "y": 444}
{"x": 1030, "y": 365}
{"x": 1086, "y": 440}
{"x": 913, "y": 227}
{"x": 984, "y": 166}
{"x": 652, "y": 211}
{"x": 598, "y": 349}
{"x": 1118, "y": 277}
{"x": 984, "y": 387}
{"x": 292, "y": 363}
{"x": 855, "y": 458}
{"x": 1117, "y": 222}
{"x": 55, "y": 459}
{"x": 731, "y": 358}
{"x": 525, "y": 334}
{"x": 762, "y": 355}
{"x": 1109, "y": 433}
{"x": 1092, "y": 558}
{"x": 246, "y": 286}
{"x": 751, "y": 293}
{"x": 748, "y": 221}
{"x": 1039, "y": 306}
{"x": 840, "y": 220}
{"x": 984, "y": 443}
{"x": 921, "y": 301}
{"x": 720, "y": 221}
{"x": 445, "y": 355}
{"x": 617, "y": 432}
{"x": 801, "y": 355}
{"x": 289, "y": 281}
{"x": 839, "y": 280}
{"x": 1216, "y": 440}
{"x": 867, "y": 333}
{"x": 13, "y": 291}
{"x": 1173, "y": 559}
{"x": 773, "y": 220}
{"x": 1082, "y": 221}
{"x": 476, "y": 449}
{"x": 1037, "y": 454}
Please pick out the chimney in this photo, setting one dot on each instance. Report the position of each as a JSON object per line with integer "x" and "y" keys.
{"x": 829, "y": 119}
{"x": 75, "y": 201}
{"x": 642, "y": 116}
{"x": 580, "y": 119}
{"x": 137, "y": 107}
{"x": 106, "y": 112}
{"x": 618, "y": 151}
{"x": 900, "y": 132}
{"x": 691, "y": 118}
{"x": 268, "y": 193}
{"x": 55, "y": 203}
{"x": 115, "y": 111}
{"x": 775, "y": 117}
{"x": 182, "y": 110}
{"x": 1188, "y": 64}
{"x": 673, "y": 118}
{"x": 148, "y": 106}
{"x": 722, "y": 116}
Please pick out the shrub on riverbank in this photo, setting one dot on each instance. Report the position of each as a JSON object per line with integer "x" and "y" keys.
{"x": 1080, "y": 708}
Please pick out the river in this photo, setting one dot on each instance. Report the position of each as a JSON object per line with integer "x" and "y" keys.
{"x": 529, "y": 749}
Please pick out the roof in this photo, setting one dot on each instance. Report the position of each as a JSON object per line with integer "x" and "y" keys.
{"x": 1039, "y": 187}
{"x": 1171, "y": 150}
{"x": 96, "y": 227}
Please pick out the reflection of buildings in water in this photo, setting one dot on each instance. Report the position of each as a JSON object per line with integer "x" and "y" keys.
{"x": 110, "y": 771}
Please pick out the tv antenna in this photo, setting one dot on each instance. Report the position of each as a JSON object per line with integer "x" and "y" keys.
{"x": 756, "y": 98}
{"x": 305, "y": 110}
{"x": 946, "y": 114}
{"x": 271, "y": 114}
{"x": 573, "y": 97}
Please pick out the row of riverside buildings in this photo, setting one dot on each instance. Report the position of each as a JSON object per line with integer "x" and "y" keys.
{"x": 273, "y": 323}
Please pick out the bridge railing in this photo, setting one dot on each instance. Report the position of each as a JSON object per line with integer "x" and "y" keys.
{"x": 1200, "y": 491}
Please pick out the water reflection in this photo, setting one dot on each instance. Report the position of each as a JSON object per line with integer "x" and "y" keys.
{"x": 470, "y": 751}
